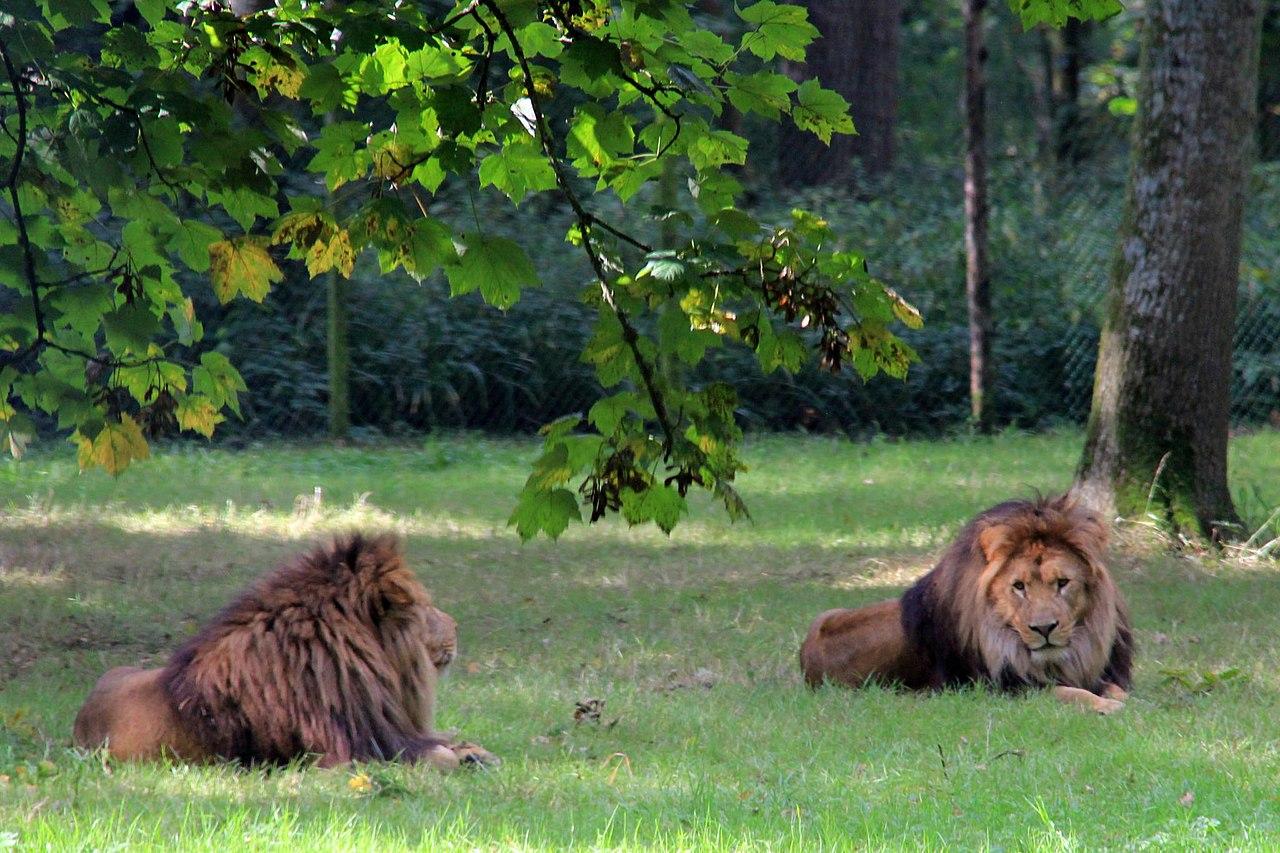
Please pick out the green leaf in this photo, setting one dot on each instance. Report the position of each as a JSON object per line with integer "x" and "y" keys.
{"x": 676, "y": 335}
{"x": 192, "y": 240}
{"x": 324, "y": 88}
{"x": 242, "y": 266}
{"x": 779, "y": 30}
{"x": 544, "y": 512}
{"x": 608, "y": 352}
{"x": 717, "y": 148}
{"x": 244, "y": 205}
{"x": 430, "y": 246}
{"x": 76, "y": 13}
{"x": 822, "y": 111}
{"x": 384, "y": 70}
{"x": 598, "y": 138}
{"x": 129, "y": 329}
{"x": 551, "y": 470}
{"x": 1055, "y": 12}
{"x": 495, "y": 266}
{"x": 340, "y": 153}
{"x": 663, "y": 265}
{"x": 608, "y": 412}
{"x": 219, "y": 381}
{"x": 764, "y": 92}
{"x": 517, "y": 169}
{"x": 540, "y": 39}
{"x": 660, "y": 504}
{"x": 152, "y": 11}
{"x": 432, "y": 62}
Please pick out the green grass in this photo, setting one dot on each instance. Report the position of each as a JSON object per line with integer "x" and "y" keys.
{"x": 708, "y": 738}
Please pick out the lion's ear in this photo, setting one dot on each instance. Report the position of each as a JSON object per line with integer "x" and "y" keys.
{"x": 996, "y": 543}
{"x": 1087, "y": 533}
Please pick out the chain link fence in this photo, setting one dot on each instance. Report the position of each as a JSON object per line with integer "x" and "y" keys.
{"x": 421, "y": 361}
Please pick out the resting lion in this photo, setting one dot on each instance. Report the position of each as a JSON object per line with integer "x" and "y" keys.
{"x": 1021, "y": 599}
{"x": 333, "y": 655}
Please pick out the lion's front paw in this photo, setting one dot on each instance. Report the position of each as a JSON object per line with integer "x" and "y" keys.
{"x": 474, "y": 754}
{"x": 1104, "y": 706}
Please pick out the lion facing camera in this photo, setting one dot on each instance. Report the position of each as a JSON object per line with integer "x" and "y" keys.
{"x": 334, "y": 655}
{"x": 1021, "y": 599}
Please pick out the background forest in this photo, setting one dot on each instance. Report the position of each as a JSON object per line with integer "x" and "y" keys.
{"x": 1059, "y": 107}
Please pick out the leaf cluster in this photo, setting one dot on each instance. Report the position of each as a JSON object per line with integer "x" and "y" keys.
{"x": 146, "y": 153}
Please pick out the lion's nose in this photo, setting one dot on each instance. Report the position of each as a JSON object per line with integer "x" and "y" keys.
{"x": 1044, "y": 629}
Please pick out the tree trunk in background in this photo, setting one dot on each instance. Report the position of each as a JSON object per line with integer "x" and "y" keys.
{"x": 1269, "y": 85}
{"x": 977, "y": 280}
{"x": 339, "y": 357}
{"x": 1161, "y": 394}
{"x": 1066, "y": 60}
{"x": 857, "y": 56}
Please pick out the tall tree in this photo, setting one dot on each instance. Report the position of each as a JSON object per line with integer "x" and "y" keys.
{"x": 977, "y": 277}
{"x": 1067, "y": 58}
{"x": 1158, "y": 425}
{"x": 856, "y": 56}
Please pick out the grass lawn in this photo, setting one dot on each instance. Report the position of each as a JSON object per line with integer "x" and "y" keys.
{"x": 708, "y": 738}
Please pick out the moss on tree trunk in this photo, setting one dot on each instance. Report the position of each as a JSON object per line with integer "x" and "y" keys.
{"x": 1157, "y": 433}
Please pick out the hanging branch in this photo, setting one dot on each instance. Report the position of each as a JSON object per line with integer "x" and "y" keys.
{"x": 586, "y": 221}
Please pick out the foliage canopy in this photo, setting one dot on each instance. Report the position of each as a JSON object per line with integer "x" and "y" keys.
{"x": 148, "y": 151}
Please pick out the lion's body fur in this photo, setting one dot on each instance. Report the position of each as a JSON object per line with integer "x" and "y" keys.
{"x": 334, "y": 654}
{"x": 952, "y": 626}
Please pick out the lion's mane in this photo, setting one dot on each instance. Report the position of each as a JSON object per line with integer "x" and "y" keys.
{"x": 333, "y": 654}
{"x": 957, "y": 636}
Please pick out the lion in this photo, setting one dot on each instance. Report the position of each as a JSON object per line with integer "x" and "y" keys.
{"x": 334, "y": 655}
{"x": 1021, "y": 599}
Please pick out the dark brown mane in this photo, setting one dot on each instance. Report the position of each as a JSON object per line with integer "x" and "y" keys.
{"x": 946, "y": 623}
{"x": 326, "y": 655}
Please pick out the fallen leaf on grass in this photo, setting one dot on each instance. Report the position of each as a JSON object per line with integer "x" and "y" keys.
{"x": 1187, "y": 799}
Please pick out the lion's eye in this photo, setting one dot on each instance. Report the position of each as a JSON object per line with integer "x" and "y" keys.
{"x": 1019, "y": 586}
{"x": 1062, "y": 582}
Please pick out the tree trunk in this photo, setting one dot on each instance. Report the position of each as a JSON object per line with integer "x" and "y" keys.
{"x": 857, "y": 55}
{"x": 977, "y": 277}
{"x": 1158, "y": 424}
{"x": 339, "y": 357}
{"x": 1067, "y": 59}
{"x": 1269, "y": 86}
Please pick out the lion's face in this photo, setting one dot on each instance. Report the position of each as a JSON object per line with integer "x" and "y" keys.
{"x": 442, "y": 637}
{"x": 1042, "y": 594}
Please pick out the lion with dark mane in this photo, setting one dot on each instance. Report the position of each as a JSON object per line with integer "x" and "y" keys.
{"x": 1021, "y": 599}
{"x": 334, "y": 655}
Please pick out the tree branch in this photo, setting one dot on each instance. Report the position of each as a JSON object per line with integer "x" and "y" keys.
{"x": 585, "y": 222}
{"x": 11, "y": 184}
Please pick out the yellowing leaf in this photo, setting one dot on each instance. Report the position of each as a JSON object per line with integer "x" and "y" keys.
{"x": 904, "y": 310}
{"x": 198, "y": 414}
{"x": 333, "y": 252}
{"x": 394, "y": 162}
{"x": 118, "y": 444}
{"x": 300, "y": 227}
{"x": 241, "y": 266}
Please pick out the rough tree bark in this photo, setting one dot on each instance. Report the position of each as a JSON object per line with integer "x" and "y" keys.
{"x": 977, "y": 277}
{"x": 1158, "y": 424}
{"x": 857, "y": 56}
